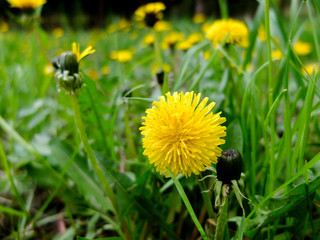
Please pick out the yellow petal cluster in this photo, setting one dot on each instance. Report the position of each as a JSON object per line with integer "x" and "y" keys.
{"x": 121, "y": 55}
{"x": 171, "y": 39}
{"x": 182, "y": 134}
{"x": 235, "y": 32}
{"x": 76, "y": 50}
{"x": 302, "y": 48}
{"x": 162, "y": 26}
{"x": 26, "y": 4}
{"x": 151, "y": 8}
{"x": 199, "y": 18}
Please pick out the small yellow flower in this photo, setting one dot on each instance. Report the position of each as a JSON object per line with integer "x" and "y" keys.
{"x": 276, "y": 54}
{"x": 155, "y": 68}
{"x": 195, "y": 38}
{"x": 206, "y": 55}
{"x": 162, "y": 26}
{"x": 4, "y": 27}
{"x": 93, "y": 74}
{"x": 76, "y": 50}
{"x": 182, "y": 134}
{"x": 302, "y": 48}
{"x": 150, "y": 13}
{"x": 262, "y": 34}
{"x": 148, "y": 40}
{"x": 236, "y": 31}
{"x": 26, "y": 4}
{"x": 199, "y": 18}
{"x": 121, "y": 55}
{"x": 57, "y": 32}
{"x": 184, "y": 45}
{"x": 105, "y": 70}
{"x": 48, "y": 69}
{"x": 310, "y": 68}
{"x": 171, "y": 39}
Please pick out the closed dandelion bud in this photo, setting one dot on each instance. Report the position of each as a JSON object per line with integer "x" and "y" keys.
{"x": 160, "y": 76}
{"x": 229, "y": 166}
{"x": 68, "y": 61}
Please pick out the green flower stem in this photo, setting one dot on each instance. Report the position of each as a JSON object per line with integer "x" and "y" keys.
{"x": 270, "y": 99}
{"x": 13, "y": 186}
{"x": 188, "y": 205}
{"x": 130, "y": 142}
{"x": 206, "y": 199}
{"x": 91, "y": 156}
{"x": 157, "y": 48}
{"x": 222, "y": 221}
{"x": 223, "y": 8}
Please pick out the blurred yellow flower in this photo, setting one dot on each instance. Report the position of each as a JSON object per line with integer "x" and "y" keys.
{"x": 155, "y": 68}
{"x": 76, "y": 50}
{"x": 171, "y": 39}
{"x": 184, "y": 45}
{"x": 150, "y": 13}
{"x": 262, "y": 34}
{"x": 148, "y": 40}
{"x": 206, "y": 55}
{"x": 93, "y": 74}
{"x": 235, "y": 31}
{"x": 57, "y": 32}
{"x": 302, "y": 48}
{"x": 195, "y": 38}
{"x": 205, "y": 26}
{"x": 26, "y": 4}
{"x": 276, "y": 54}
{"x": 105, "y": 70}
{"x": 4, "y": 27}
{"x": 121, "y": 55}
{"x": 162, "y": 26}
{"x": 48, "y": 69}
{"x": 182, "y": 134}
{"x": 199, "y": 18}
{"x": 310, "y": 68}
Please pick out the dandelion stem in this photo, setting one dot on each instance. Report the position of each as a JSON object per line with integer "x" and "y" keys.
{"x": 89, "y": 151}
{"x": 188, "y": 205}
{"x": 222, "y": 221}
{"x": 223, "y": 9}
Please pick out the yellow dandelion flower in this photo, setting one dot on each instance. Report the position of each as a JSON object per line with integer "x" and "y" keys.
{"x": 26, "y": 4}
{"x": 236, "y": 31}
{"x": 57, "y": 32}
{"x": 262, "y": 34}
{"x": 171, "y": 39}
{"x": 76, "y": 50}
{"x": 310, "y": 68}
{"x": 199, "y": 18}
{"x": 195, "y": 38}
{"x": 181, "y": 134}
{"x": 4, "y": 27}
{"x": 162, "y": 26}
{"x": 155, "y": 68}
{"x": 150, "y": 13}
{"x": 205, "y": 26}
{"x": 93, "y": 74}
{"x": 302, "y": 48}
{"x": 124, "y": 24}
{"x": 105, "y": 70}
{"x": 206, "y": 55}
{"x": 121, "y": 55}
{"x": 148, "y": 40}
{"x": 276, "y": 54}
{"x": 184, "y": 45}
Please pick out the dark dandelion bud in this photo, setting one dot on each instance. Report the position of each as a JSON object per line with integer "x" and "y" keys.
{"x": 160, "y": 76}
{"x": 229, "y": 166}
{"x": 68, "y": 61}
{"x": 151, "y": 19}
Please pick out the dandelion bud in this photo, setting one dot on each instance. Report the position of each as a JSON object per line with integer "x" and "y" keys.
{"x": 229, "y": 166}
{"x": 160, "y": 76}
{"x": 68, "y": 61}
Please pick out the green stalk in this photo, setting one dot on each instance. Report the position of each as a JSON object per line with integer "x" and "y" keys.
{"x": 89, "y": 151}
{"x": 223, "y": 8}
{"x": 188, "y": 205}
{"x": 157, "y": 48}
{"x": 222, "y": 221}
{"x": 253, "y": 147}
{"x": 206, "y": 199}
{"x": 130, "y": 143}
{"x": 270, "y": 98}
{"x": 13, "y": 186}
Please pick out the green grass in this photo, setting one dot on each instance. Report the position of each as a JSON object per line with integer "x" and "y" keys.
{"x": 95, "y": 183}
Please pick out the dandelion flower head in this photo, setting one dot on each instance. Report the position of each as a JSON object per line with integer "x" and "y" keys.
{"x": 162, "y": 26}
{"x": 150, "y": 13}
{"x": 182, "y": 134}
{"x": 170, "y": 40}
{"x": 302, "y": 48}
{"x": 235, "y": 32}
{"x": 121, "y": 55}
{"x": 199, "y": 18}
{"x": 76, "y": 50}
{"x": 26, "y": 4}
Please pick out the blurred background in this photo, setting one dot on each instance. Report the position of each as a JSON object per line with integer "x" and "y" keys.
{"x": 98, "y": 13}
